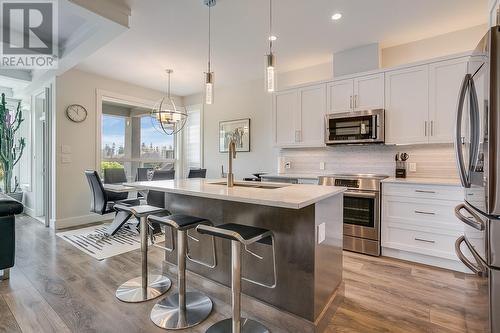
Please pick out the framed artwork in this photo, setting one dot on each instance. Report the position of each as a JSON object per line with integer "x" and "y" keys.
{"x": 238, "y": 130}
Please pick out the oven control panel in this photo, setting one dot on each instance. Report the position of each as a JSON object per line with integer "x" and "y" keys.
{"x": 353, "y": 183}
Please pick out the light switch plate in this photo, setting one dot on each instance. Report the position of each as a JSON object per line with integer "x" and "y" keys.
{"x": 413, "y": 167}
{"x": 65, "y": 149}
{"x": 321, "y": 233}
{"x": 322, "y": 165}
{"x": 65, "y": 159}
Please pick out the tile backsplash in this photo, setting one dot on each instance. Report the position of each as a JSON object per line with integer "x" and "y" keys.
{"x": 432, "y": 160}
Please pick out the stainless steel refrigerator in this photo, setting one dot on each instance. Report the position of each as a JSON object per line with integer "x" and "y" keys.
{"x": 477, "y": 148}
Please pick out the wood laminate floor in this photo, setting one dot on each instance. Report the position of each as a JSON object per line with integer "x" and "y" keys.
{"x": 54, "y": 287}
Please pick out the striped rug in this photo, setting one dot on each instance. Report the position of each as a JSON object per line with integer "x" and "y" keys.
{"x": 95, "y": 242}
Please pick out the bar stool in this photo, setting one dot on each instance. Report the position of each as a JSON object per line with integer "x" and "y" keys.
{"x": 240, "y": 234}
{"x": 144, "y": 287}
{"x": 182, "y": 309}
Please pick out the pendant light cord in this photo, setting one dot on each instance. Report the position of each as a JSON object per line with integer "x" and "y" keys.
{"x": 270, "y": 26}
{"x": 209, "y": 35}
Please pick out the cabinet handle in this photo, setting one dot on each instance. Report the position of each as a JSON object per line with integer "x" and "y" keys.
{"x": 432, "y": 127}
{"x": 425, "y": 213}
{"x": 424, "y": 191}
{"x": 350, "y": 103}
{"x": 425, "y": 240}
{"x": 355, "y": 101}
{"x": 425, "y": 128}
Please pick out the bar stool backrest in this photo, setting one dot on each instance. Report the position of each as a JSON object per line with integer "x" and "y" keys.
{"x": 197, "y": 173}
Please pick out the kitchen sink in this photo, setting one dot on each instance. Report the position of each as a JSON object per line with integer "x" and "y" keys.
{"x": 251, "y": 185}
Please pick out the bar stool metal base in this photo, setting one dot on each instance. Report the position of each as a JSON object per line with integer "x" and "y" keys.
{"x": 166, "y": 313}
{"x": 132, "y": 291}
{"x": 247, "y": 326}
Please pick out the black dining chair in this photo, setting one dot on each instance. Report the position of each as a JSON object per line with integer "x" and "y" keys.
{"x": 142, "y": 174}
{"x": 163, "y": 175}
{"x": 114, "y": 176}
{"x": 197, "y": 173}
{"x": 102, "y": 201}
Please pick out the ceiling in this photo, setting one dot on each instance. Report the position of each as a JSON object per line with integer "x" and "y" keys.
{"x": 173, "y": 34}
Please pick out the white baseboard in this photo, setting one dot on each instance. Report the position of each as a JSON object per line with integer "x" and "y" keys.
{"x": 68, "y": 222}
{"x": 454, "y": 265}
{"x": 29, "y": 211}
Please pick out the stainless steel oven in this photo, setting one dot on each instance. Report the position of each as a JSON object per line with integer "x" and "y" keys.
{"x": 355, "y": 127}
{"x": 361, "y": 210}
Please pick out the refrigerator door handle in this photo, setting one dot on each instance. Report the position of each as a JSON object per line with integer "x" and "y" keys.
{"x": 458, "y": 132}
{"x": 477, "y": 268}
{"x": 476, "y": 124}
{"x": 477, "y": 223}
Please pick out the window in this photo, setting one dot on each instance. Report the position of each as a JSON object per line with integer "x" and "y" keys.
{"x": 113, "y": 137}
{"x": 155, "y": 145}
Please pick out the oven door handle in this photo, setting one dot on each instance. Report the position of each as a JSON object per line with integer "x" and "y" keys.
{"x": 360, "y": 194}
{"x": 478, "y": 268}
{"x": 477, "y": 223}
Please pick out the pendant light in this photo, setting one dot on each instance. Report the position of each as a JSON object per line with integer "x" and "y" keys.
{"x": 209, "y": 75}
{"x": 270, "y": 58}
{"x": 166, "y": 116}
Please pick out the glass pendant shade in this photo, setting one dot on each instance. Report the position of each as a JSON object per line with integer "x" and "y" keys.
{"x": 270, "y": 73}
{"x": 209, "y": 88}
{"x": 166, "y": 116}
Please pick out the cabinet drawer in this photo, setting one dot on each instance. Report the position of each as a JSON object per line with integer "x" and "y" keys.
{"x": 431, "y": 215}
{"x": 420, "y": 242}
{"x": 440, "y": 192}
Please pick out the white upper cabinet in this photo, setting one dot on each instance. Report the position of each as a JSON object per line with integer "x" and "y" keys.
{"x": 407, "y": 105}
{"x": 369, "y": 92}
{"x": 312, "y": 115}
{"x": 361, "y": 93}
{"x": 299, "y": 116}
{"x": 285, "y": 117}
{"x": 340, "y": 96}
{"x": 445, "y": 80}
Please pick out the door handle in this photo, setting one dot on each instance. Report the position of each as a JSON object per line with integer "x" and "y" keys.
{"x": 432, "y": 127}
{"x": 425, "y": 128}
{"x": 477, "y": 223}
{"x": 355, "y": 101}
{"x": 477, "y": 269}
{"x": 458, "y": 132}
{"x": 350, "y": 103}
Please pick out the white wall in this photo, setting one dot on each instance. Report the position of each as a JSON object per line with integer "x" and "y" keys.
{"x": 438, "y": 46}
{"x": 72, "y": 192}
{"x": 246, "y": 100}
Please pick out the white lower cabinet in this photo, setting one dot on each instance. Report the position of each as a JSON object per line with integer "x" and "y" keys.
{"x": 418, "y": 223}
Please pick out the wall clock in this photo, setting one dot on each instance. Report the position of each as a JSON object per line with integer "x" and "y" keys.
{"x": 76, "y": 113}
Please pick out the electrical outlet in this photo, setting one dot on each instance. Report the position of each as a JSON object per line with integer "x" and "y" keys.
{"x": 322, "y": 165}
{"x": 321, "y": 233}
{"x": 413, "y": 167}
{"x": 288, "y": 165}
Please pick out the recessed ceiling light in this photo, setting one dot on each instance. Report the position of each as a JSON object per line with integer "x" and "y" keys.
{"x": 336, "y": 16}
{"x": 272, "y": 38}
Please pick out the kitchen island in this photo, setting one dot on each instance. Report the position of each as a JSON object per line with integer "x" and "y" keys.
{"x": 307, "y": 223}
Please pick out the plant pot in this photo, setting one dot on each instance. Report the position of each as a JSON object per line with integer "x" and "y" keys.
{"x": 16, "y": 196}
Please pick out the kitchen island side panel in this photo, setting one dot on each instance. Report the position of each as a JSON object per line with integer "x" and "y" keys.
{"x": 295, "y": 235}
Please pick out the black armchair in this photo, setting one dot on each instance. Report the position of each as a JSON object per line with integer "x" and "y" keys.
{"x": 8, "y": 209}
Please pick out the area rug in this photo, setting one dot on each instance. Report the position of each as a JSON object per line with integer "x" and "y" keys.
{"x": 95, "y": 242}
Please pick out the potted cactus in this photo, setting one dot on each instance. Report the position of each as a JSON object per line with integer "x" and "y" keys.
{"x": 10, "y": 150}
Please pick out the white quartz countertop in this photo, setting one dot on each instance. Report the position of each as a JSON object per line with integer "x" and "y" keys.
{"x": 293, "y": 175}
{"x": 424, "y": 181}
{"x": 293, "y": 196}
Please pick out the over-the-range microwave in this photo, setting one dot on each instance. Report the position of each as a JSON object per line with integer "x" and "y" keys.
{"x": 355, "y": 127}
